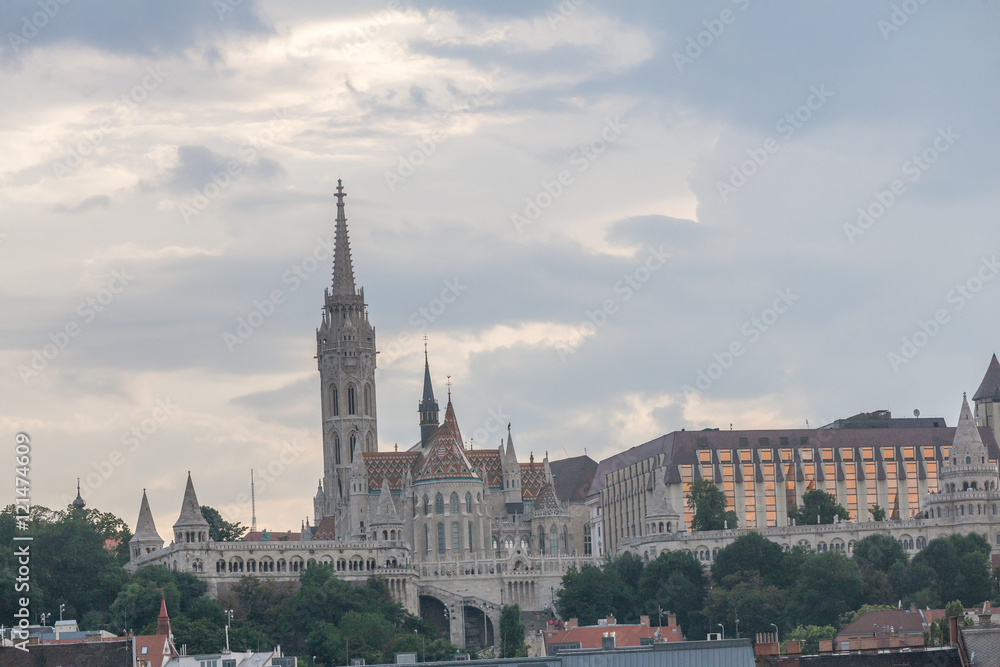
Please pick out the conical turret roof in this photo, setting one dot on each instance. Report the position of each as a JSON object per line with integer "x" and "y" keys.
{"x": 386, "y": 511}
{"x": 968, "y": 442}
{"x": 190, "y": 515}
{"x": 145, "y": 528}
{"x": 444, "y": 457}
{"x": 343, "y": 270}
{"x": 990, "y": 386}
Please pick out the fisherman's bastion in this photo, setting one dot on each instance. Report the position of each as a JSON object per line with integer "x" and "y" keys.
{"x": 458, "y": 532}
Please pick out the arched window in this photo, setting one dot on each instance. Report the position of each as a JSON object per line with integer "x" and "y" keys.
{"x": 554, "y": 539}
{"x": 453, "y": 503}
{"x": 587, "y": 544}
{"x": 427, "y": 541}
{"x": 427, "y": 504}
{"x": 541, "y": 541}
{"x": 368, "y": 400}
{"x": 370, "y": 442}
{"x": 336, "y": 448}
{"x": 456, "y": 546}
{"x": 351, "y": 408}
{"x": 334, "y": 402}
{"x": 439, "y": 504}
{"x": 470, "y": 536}
{"x": 468, "y": 502}
{"x": 441, "y": 546}
{"x": 354, "y": 443}
{"x": 968, "y": 459}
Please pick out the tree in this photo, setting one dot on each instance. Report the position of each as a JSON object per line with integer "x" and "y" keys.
{"x": 512, "y": 632}
{"x": 750, "y": 553}
{"x": 755, "y": 603}
{"x": 220, "y": 530}
{"x": 588, "y": 594}
{"x": 708, "y": 503}
{"x": 879, "y": 552}
{"x": 878, "y": 513}
{"x": 817, "y": 504}
{"x": 675, "y": 581}
{"x": 828, "y": 585}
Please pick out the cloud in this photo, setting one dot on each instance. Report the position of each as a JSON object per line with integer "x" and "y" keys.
{"x": 88, "y": 204}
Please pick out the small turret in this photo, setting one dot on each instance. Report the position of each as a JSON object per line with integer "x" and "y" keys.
{"x": 191, "y": 525}
{"x": 513, "y": 502}
{"x": 79, "y": 503}
{"x": 428, "y": 406}
{"x": 146, "y": 539}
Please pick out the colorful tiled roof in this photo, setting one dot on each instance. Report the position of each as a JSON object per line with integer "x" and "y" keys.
{"x": 532, "y": 479}
{"x": 487, "y": 462}
{"x": 390, "y": 466}
{"x": 444, "y": 456}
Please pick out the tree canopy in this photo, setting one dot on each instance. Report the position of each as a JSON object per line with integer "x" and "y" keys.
{"x": 220, "y": 530}
{"x": 818, "y": 507}
{"x": 708, "y": 503}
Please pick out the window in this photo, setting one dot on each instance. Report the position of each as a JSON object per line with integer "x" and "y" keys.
{"x": 368, "y": 400}
{"x": 454, "y": 503}
{"x": 541, "y": 540}
{"x": 554, "y": 536}
{"x": 456, "y": 546}
{"x": 470, "y": 536}
{"x": 354, "y": 442}
{"x": 370, "y": 442}
{"x": 440, "y": 538}
{"x": 336, "y": 448}
{"x": 587, "y": 543}
{"x": 350, "y": 401}
{"x": 468, "y": 503}
{"x": 439, "y": 504}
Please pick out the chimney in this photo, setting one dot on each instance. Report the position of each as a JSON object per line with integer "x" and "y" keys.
{"x": 572, "y": 623}
{"x": 644, "y": 620}
{"x": 611, "y": 620}
{"x": 608, "y": 641}
{"x": 672, "y": 619}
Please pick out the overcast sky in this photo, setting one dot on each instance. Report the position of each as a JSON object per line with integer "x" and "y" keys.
{"x": 612, "y": 220}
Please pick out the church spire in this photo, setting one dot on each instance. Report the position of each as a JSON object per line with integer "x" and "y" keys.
{"x": 428, "y": 406}
{"x": 343, "y": 270}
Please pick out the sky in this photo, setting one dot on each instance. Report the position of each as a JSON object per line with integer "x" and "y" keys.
{"x": 611, "y": 221}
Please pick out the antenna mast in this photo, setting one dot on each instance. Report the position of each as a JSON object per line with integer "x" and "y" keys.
{"x": 253, "y": 505}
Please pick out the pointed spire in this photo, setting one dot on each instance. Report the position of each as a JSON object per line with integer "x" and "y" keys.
{"x": 145, "y": 527}
{"x": 190, "y": 515}
{"x": 990, "y": 386}
{"x": 343, "y": 270}
{"x": 163, "y": 621}
{"x": 968, "y": 442}
{"x": 428, "y": 406}
{"x": 428, "y": 388}
{"x": 79, "y": 503}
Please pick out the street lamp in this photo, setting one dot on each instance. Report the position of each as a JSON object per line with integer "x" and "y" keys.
{"x": 737, "y": 628}
{"x": 229, "y": 619}
{"x": 723, "y": 629}
{"x": 777, "y": 641}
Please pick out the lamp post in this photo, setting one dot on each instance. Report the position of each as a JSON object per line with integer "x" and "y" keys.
{"x": 229, "y": 619}
{"x": 723, "y": 629}
{"x": 776, "y": 639}
{"x": 737, "y": 628}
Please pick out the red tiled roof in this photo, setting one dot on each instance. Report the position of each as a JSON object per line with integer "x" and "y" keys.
{"x": 157, "y": 648}
{"x": 902, "y": 622}
{"x": 391, "y": 466}
{"x": 532, "y": 479}
{"x": 487, "y": 462}
{"x": 326, "y": 529}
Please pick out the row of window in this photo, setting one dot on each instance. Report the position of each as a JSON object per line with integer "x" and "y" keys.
{"x": 454, "y": 505}
{"x": 352, "y": 407}
{"x": 353, "y": 445}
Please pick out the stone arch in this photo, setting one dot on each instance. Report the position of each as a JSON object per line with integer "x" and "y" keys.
{"x": 434, "y": 611}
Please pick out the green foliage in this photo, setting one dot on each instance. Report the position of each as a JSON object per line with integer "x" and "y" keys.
{"x": 878, "y": 513}
{"x": 512, "y": 632}
{"x": 754, "y": 602}
{"x": 751, "y": 553}
{"x": 829, "y": 584}
{"x": 810, "y": 635}
{"x": 959, "y": 566}
{"x": 588, "y": 594}
{"x": 954, "y": 608}
{"x": 818, "y": 504}
{"x": 879, "y": 552}
{"x": 220, "y": 530}
{"x": 852, "y": 616}
{"x": 708, "y": 503}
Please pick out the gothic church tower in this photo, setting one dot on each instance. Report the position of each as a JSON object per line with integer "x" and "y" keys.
{"x": 345, "y": 354}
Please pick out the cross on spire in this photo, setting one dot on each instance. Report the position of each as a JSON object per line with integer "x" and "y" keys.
{"x": 343, "y": 269}
{"x": 449, "y": 388}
